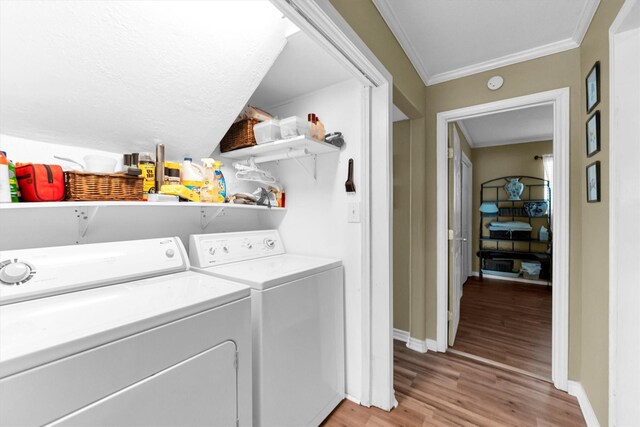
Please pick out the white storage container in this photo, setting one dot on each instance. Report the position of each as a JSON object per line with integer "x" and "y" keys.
{"x": 267, "y": 131}
{"x": 294, "y": 126}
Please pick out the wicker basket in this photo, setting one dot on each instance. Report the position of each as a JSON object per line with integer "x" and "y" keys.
{"x": 239, "y": 135}
{"x": 88, "y": 186}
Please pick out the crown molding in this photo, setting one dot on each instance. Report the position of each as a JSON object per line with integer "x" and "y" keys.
{"x": 385, "y": 10}
{"x": 514, "y": 58}
{"x": 465, "y": 132}
{"x": 586, "y": 16}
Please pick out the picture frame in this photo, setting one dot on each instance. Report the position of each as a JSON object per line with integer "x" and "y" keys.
{"x": 593, "y": 87}
{"x": 593, "y": 182}
{"x": 593, "y": 134}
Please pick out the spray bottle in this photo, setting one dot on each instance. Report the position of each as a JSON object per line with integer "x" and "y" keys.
{"x": 209, "y": 190}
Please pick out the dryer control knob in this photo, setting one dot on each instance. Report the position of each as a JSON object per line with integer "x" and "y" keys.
{"x": 14, "y": 272}
{"x": 269, "y": 243}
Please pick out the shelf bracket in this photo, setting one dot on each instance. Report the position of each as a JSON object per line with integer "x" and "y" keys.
{"x": 85, "y": 215}
{"x": 312, "y": 172}
{"x": 206, "y": 217}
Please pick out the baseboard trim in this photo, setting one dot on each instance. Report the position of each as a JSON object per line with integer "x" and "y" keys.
{"x": 512, "y": 279}
{"x": 575, "y": 389}
{"x": 353, "y": 399}
{"x": 415, "y": 344}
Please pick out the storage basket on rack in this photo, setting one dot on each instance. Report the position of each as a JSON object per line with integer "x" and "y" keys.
{"x": 515, "y": 212}
{"x": 510, "y": 234}
{"x": 498, "y": 264}
{"x": 88, "y": 186}
{"x": 239, "y": 135}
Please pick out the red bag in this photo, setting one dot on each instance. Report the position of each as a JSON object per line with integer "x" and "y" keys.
{"x": 40, "y": 183}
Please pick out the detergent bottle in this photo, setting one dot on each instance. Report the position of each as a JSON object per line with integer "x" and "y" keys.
{"x": 191, "y": 175}
{"x": 209, "y": 190}
{"x": 219, "y": 182}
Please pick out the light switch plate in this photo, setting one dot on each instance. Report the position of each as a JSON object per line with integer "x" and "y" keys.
{"x": 354, "y": 212}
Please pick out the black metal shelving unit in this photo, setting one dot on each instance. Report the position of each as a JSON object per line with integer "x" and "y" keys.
{"x": 523, "y": 249}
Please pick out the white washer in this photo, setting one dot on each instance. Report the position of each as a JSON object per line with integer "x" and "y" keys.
{"x": 297, "y": 308}
{"x": 121, "y": 334}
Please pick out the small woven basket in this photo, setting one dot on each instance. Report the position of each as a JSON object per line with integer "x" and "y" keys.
{"x": 239, "y": 135}
{"x": 88, "y": 186}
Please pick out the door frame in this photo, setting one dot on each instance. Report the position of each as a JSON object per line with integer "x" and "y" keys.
{"x": 559, "y": 99}
{"x": 469, "y": 267}
{"x": 322, "y": 22}
{"x": 623, "y": 243}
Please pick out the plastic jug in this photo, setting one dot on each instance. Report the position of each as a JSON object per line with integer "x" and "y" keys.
{"x": 191, "y": 175}
{"x": 209, "y": 190}
{"x": 220, "y": 182}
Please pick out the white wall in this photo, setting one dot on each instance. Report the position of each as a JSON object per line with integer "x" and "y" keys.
{"x": 316, "y": 221}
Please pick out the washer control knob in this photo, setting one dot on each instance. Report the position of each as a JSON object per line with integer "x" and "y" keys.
{"x": 212, "y": 250}
{"x": 269, "y": 243}
{"x": 225, "y": 249}
{"x": 247, "y": 244}
{"x": 170, "y": 253}
{"x": 15, "y": 272}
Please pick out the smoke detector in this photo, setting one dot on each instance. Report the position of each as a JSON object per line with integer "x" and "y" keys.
{"x": 495, "y": 82}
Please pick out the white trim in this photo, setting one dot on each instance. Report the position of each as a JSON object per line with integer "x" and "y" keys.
{"x": 559, "y": 98}
{"x": 513, "y": 58}
{"x": 590, "y": 8}
{"x": 417, "y": 345}
{"x": 618, "y": 149}
{"x": 320, "y": 20}
{"x": 394, "y": 25}
{"x": 466, "y": 134}
{"x": 413, "y": 343}
{"x": 576, "y": 389}
{"x": 515, "y": 141}
{"x": 400, "y": 335}
{"x": 511, "y": 279}
{"x": 353, "y": 399}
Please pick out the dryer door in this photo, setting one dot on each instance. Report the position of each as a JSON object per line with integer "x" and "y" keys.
{"x": 199, "y": 391}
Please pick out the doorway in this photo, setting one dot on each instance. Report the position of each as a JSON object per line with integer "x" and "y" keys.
{"x": 559, "y": 100}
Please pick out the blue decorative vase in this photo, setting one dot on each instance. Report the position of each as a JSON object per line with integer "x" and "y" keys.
{"x": 514, "y": 188}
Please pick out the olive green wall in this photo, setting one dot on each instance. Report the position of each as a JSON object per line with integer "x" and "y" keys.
{"x": 588, "y": 229}
{"x": 504, "y": 160}
{"x": 594, "y": 372}
{"x": 409, "y": 96}
{"x": 401, "y": 224}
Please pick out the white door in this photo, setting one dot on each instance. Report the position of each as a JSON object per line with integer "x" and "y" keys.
{"x": 467, "y": 194}
{"x": 455, "y": 245}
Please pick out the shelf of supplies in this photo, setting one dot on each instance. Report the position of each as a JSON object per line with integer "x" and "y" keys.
{"x": 142, "y": 205}
{"x": 281, "y": 148}
{"x": 488, "y": 253}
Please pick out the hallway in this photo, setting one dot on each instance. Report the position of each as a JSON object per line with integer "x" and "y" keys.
{"x": 438, "y": 389}
{"x": 507, "y": 322}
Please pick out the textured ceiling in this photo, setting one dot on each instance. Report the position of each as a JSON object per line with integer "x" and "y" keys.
{"x": 511, "y": 127}
{"x": 447, "y": 39}
{"x": 120, "y": 76}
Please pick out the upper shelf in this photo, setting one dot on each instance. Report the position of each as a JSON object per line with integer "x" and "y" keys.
{"x": 149, "y": 205}
{"x": 279, "y": 149}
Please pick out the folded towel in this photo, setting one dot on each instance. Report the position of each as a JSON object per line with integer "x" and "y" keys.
{"x": 510, "y": 226}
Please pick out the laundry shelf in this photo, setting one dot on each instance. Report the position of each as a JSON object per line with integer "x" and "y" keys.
{"x": 279, "y": 150}
{"x": 142, "y": 205}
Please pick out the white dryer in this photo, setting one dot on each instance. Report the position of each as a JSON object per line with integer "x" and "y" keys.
{"x": 121, "y": 334}
{"x": 297, "y": 308}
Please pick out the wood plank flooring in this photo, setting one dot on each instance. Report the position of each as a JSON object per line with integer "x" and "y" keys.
{"x": 443, "y": 389}
{"x": 507, "y": 322}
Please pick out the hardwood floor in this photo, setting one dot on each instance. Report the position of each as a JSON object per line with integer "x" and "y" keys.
{"x": 507, "y": 322}
{"x": 443, "y": 389}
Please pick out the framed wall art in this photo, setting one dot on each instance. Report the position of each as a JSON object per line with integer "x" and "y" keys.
{"x": 593, "y": 182}
{"x": 593, "y": 87}
{"x": 593, "y": 134}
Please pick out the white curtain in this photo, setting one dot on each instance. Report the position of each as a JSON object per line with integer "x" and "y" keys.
{"x": 547, "y": 161}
